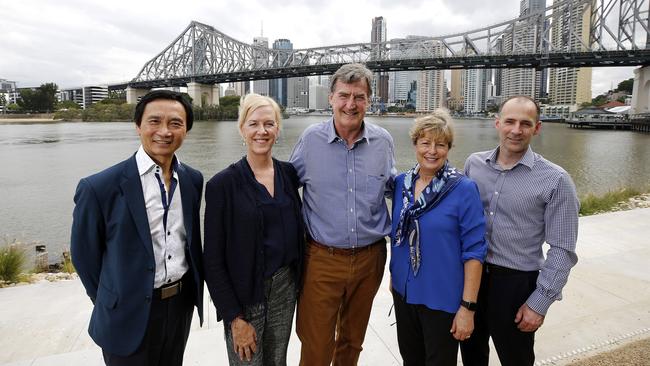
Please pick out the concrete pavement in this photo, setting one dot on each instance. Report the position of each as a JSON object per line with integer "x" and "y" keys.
{"x": 606, "y": 302}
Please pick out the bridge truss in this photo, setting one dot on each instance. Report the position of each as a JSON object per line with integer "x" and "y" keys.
{"x": 569, "y": 33}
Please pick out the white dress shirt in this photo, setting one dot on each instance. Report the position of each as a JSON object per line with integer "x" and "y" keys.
{"x": 168, "y": 245}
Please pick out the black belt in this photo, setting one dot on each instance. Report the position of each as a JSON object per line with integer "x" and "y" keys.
{"x": 493, "y": 268}
{"x": 345, "y": 251}
{"x": 168, "y": 290}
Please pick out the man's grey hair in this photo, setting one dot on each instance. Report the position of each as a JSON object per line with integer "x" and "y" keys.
{"x": 351, "y": 73}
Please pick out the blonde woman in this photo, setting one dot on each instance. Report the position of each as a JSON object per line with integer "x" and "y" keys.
{"x": 254, "y": 241}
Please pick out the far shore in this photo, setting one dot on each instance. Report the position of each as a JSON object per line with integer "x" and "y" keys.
{"x": 28, "y": 120}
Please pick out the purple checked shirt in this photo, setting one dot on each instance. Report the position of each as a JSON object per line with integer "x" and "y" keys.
{"x": 533, "y": 202}
{"x": 344, "y": 189}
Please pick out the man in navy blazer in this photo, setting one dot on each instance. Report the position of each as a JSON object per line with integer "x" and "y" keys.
{"x": 136, "y": 241}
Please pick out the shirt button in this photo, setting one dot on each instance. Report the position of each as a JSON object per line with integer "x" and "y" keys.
{"x": 169, "y": 280}
{"x": 496, "y": 193}
{"x": 352, "y": 230}
{"x": 169, "y": 233}
{"x": 351, "y": 210}
{"x": 350, "y": 170}
{"x": 350, "y": 189}
{"x": 491, "y": 213}
{"x": 169, "y": 257}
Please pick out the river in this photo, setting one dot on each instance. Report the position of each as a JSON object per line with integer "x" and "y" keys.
{"x": 42, "y": 163}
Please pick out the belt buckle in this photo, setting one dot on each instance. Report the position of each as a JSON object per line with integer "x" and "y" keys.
{"x": 173, "y": 290}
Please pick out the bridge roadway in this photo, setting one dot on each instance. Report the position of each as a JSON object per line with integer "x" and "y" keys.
{"x": 605, "y": 304}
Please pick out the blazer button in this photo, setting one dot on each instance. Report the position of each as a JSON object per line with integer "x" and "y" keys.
{"x": 148, "y": 298}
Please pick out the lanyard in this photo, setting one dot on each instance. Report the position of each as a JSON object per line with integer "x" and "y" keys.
{"x": 166, "y": 202}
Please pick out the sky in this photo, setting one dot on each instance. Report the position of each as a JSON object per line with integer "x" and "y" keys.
{"x": 83, "y": 42}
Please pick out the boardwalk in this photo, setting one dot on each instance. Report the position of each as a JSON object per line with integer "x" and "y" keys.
{"x": 606, "y": 303}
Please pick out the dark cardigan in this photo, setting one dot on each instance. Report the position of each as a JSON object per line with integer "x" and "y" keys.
{"x": 233, "y": 252}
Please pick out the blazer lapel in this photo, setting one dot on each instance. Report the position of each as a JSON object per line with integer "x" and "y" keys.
{"x": 132, "y": 190}
{"x": 187, "y": 199}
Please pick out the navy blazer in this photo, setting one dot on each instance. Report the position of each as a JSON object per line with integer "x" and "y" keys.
{"x": 113, "y": 254}
{"x": 233, "y": 247}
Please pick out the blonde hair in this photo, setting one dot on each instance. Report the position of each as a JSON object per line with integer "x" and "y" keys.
{"x": 438, "y": 123}
{"x": 250, "y": 102}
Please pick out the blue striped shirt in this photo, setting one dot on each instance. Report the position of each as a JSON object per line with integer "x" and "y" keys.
{"x": 344, "y": 189}
{"x": 533, "y": 202}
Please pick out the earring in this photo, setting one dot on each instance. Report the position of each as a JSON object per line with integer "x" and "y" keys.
{"x": 243, "y": 143}
{"x": 276, "y": 141}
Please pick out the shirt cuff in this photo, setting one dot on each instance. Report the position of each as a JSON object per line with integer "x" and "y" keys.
{"x": 538, "y": 302}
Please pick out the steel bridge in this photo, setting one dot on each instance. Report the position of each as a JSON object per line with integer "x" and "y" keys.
{"x": 569, "y": 33}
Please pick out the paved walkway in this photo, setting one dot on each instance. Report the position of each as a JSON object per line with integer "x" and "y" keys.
{"x": 607, "y": 301}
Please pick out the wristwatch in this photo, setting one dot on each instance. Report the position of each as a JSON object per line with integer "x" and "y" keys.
{"x": 471, "y": 306}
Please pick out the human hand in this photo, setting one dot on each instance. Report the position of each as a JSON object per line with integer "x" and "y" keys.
{"x": 527, "y": 319}
{"x": 463, "y": 324}
{"x": 244, "y": 339}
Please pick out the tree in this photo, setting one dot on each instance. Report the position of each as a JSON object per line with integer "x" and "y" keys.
{"x": 42, "y": 99}
{"x": 599, "y": 100}
{"x": 67, "y": 104}
{"x": 13, "y": 107}
{"x": 626, "y": 85}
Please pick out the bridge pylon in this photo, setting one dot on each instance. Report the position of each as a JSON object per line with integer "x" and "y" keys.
{"x": 134, "y": 94}
{"x": 641, "y": 91}
{"x": 203, "y": 95}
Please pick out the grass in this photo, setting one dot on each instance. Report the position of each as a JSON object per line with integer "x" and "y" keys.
{"x": 67, "y": 265}
{"x": 12, "y": 261}
{"x": 592, "y": 204}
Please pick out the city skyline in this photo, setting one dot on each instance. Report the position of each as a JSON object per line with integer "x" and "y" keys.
{"x": 81, "y": 43}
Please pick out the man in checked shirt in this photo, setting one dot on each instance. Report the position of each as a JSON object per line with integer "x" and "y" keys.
{"x": 527, "y": 201}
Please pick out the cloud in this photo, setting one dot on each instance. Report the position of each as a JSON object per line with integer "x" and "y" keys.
{"x": 81, "y": 42}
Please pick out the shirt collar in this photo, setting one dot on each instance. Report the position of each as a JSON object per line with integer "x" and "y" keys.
{"x": 528, "y": 159}
{"x": 146, "y": 163}
{"x": 332, "y": 136}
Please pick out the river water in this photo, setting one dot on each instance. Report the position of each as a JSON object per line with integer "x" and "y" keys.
{"x": 42, "y": 163}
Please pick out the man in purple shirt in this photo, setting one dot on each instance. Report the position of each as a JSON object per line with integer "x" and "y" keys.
{"x": 346, "y": 167}
{"x": 527, "y": 200}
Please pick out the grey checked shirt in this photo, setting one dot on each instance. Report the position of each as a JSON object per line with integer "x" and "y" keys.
{"x": 344, "y": 189}
{"x": 533, "y": 202}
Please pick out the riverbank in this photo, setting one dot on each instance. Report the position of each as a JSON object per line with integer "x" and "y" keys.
{"x": 605, "y": 306}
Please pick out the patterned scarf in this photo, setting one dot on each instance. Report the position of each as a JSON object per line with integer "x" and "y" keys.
{"x": 408, "y": 227}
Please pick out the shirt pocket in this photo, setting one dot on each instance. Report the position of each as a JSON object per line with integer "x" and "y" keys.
{"x": 375, "y": 187}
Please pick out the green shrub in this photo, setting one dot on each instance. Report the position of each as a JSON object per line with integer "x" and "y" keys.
{"x": 12, "y": 260}
{"x": 592, "y": 204}
{"x": 67, "y": 265}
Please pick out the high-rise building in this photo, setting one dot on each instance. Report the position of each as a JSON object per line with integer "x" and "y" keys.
{"x": 456, "y": 92}
{"x": 476, "y": 90}
{"x": 400, "y": 81}
{"x": 298, "y": 92}
{"x": 278, "y": 87}
{"x": 318, "y": 97}
{"x": 261, "y": 60}
{"x": 522, "y": 81}
{"x": 84, "y": 96}
{"x": 380, "y": 79}
{"x": 9, "y": 92}
{"x": 242, "y": 87}
{"x": 570, "y": 86}
{"x": 431, "y": 92}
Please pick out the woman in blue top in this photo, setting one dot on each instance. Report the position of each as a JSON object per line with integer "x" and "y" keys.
{"x": 438, "y": 247}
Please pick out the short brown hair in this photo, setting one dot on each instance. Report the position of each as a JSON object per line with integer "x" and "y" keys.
{"x": 351, "y": 73}
{"x": 438, "y": 123}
